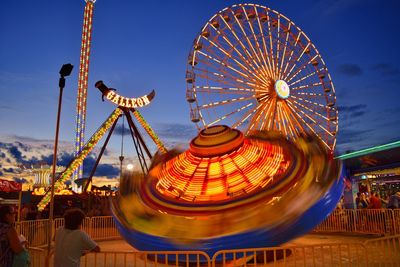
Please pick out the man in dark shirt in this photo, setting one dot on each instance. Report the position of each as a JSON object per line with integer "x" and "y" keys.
{"x": 394, "y": 201}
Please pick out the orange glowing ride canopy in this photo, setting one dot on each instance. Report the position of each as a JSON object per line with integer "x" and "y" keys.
{"x": 220, "y": 165}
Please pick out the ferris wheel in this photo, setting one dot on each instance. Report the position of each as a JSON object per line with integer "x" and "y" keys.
{"x": 253, "y": 69}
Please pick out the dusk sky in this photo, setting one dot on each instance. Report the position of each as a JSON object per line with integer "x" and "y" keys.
{"x": 138, "y": 46}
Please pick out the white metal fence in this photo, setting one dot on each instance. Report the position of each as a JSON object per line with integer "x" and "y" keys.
{"x": 369, "y": 221}
{"x": 377, "y": 252}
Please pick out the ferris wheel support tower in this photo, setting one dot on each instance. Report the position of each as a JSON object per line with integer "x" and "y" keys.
{"x": 82, "y": 86}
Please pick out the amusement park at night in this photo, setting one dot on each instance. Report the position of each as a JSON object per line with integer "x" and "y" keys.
{"x": 212, "y": 133}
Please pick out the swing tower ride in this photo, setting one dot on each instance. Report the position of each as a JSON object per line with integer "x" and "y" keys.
{"x": 82, "y": 86}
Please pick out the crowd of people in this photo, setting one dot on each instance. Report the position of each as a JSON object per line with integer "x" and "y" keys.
{"x": 98, "y": 207}
{"x": 373, "y": 200}
{"x": 12, "y": 245}
{"x": 70, "y": 241}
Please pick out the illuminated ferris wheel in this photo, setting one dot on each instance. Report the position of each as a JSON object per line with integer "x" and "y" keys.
{"x": 253, "y": 69}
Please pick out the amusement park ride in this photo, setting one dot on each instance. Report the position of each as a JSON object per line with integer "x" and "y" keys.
{"x": 82, "y": 86}
{"x": 264, "y": 177}
{"x": 254, "y": 69}
{"x": 126, "y": 106}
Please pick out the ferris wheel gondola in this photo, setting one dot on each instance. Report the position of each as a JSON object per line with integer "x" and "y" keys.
{"x": 253, "y": 69}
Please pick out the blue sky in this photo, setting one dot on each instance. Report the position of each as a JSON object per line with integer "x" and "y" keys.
{"x": 138, "y": 46}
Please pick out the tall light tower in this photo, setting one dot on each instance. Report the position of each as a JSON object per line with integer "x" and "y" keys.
{"x": 82, "y": 86}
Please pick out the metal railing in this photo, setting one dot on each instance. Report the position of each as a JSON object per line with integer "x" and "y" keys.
{"x": 144, "y": 258}
{"x": 369, "y": 221}
{"x": 99, "y": 228}
{"x": 348, "y": 254}
{"x": 382, "y": 221}
{"x": 384, "y": 251}
{"x": 38, "y": 257}
{"x": 376, "y": 252}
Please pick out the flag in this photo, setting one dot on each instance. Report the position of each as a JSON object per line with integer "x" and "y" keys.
{"x": 10, "y": 186}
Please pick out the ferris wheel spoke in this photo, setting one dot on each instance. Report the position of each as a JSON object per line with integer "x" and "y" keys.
{"x": 309, "y": 127}
{"x": 278, "y": 44}
{"x": 305, "y": 77}
{"x": 232, "y": 46}
{"x": 225, "y": 102}
{"x": 269, "y": 67}
{"x": 224, "y": 90}
{"x": 255, "y": 120}
{"x": 266, "y": 67}
{"x": 311, "y": 110}
{"x": 245, "y": 116}
{"x": 247, "y": 37}
{"x": 295, "y": 63}
{"x": 319, "y": 125}
{"x": 256, "y": 53}
{"x": 295, "y": 90}
{"x": 284, "y": 51}
{"x": 283, "y": 122}
{"x": 226, "y": 53}
{"x": 220, "y": 62}
{"x": 289, "y": 61}
{"x": 291, "y": 124}
{"x": 298, "y": 126}
{"x": 230, "y": 114}
{"x": 220, "y": 48}
{"x": 300, "y": 69}
{"x": 271, "y": 51}
{"x": 249, "y": 76}
{"x": 228, "y": 79}
{"x": 262, "y": 112}
{"x": 248, "y": 58}
{"x": 265, "y": 115}
{"x": 305, "y": 97}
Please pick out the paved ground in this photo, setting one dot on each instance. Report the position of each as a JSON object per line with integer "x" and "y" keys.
{"x": 308, "y": 251}
{"x": 316, "y": 250}
{"x": 311, "y": 239}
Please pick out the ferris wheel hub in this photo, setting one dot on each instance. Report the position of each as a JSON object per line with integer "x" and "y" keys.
{"x": 282, "y": 89}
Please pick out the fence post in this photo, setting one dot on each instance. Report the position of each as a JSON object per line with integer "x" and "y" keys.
{"x": 354, "y": 227}
{"x": 91, "y": 226}
{"x": 393, "y": 222}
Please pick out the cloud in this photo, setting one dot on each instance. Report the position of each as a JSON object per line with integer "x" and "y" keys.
{"x": 27, "y": 152}
{"x": 333, "y": 7}
{"x": 351, "y": 139}
{"x": 20, "y": 180}
{"x": 12, "y": 170}
{"x": 349, "y": 114}
{"x": 107, "y": 170}
{"x": 16, "y": 153}
{"x": 386, "y": 69}
{"x": 7, "y": 108}
{"x": 176, "y": 131}
{"x": 350, "y": 109}
{"x": 350, "y": 70}
{"x": 119, "y": 130}
{"x": 65, "y": 158}
{"x": 346, "y": 136}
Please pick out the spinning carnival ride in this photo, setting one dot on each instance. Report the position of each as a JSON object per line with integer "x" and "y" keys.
{"x": 253, "y": 69}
